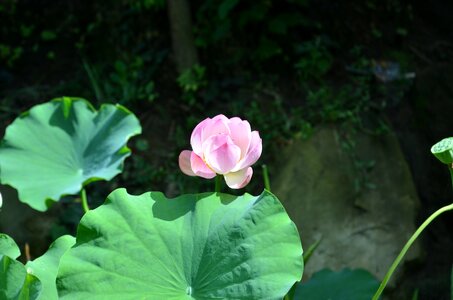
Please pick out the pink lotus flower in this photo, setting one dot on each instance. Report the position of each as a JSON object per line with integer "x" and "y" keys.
{"x": 222, "y": 146}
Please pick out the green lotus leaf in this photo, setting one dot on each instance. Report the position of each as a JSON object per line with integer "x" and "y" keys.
{"x": 45, "y": 268}
{"x": 57, "y": 147}
{"x": 203, "y": 246}
{"x": 15, "y": 282}
{"x": 8, "y": 246}
{"x": 343, "y": 285}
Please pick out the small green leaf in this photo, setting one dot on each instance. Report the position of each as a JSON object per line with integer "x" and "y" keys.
{"x": 51, "y": 55}
{"x": 48, "y": 35}
{"x": 35, "y": 280}
{"x": 62, "y": 144}
{"x": 343, "y": 285}
{"x": 8, "y": 246}
{"x": 32, "y": 289}
{"x": 443, "y": 150}
{"x": 203, "y": 246}
{"x": 15, "y": 282}
{"x": 26, "y": 31}
{"x": 45, "y": 268}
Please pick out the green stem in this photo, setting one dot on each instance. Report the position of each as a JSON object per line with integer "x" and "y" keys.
{"x": 451, "y": 175}
{"x": 407, "y": 246}
{"x": 267, "y": 184}
{"x": 83, "y": 197}
{"x": 218, "y": 183}
{"x": 310, "y": 251}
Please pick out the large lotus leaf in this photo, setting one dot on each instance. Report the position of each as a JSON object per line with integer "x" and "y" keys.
{"x": 45, "y": 268}
{"x": 343, "y": 285}
{"x": 204, "y": 246}
{"x": 57, "y": 147}
{"x": 15, "y": 282}
{"x": 8, "y": 246}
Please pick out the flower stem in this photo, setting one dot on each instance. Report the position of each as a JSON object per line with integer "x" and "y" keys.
{"x": 407, "y": 246}
{"x": 218, "y": 183}
{"x": 27, "y": 252}
{"x": 267, "y": 184}
{"x": 451, "y": 174}
{"x": 83, "y": 197}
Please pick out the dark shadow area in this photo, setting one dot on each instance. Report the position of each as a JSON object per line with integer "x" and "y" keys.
{"x": 174, "y": 208}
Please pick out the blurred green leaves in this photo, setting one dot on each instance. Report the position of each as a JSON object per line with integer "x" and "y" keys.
{"x": 48, "y": 35}
{"x": 225, "y": 7}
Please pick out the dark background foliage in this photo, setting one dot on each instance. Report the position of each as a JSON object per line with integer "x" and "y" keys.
{"x": 286, "y": 66}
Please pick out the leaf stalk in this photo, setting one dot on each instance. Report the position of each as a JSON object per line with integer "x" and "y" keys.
{"x": 406, "y": 248}
{"x": 83, "y": 197}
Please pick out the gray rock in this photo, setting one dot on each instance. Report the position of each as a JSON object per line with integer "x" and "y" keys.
{"x": 360, "y": 200}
